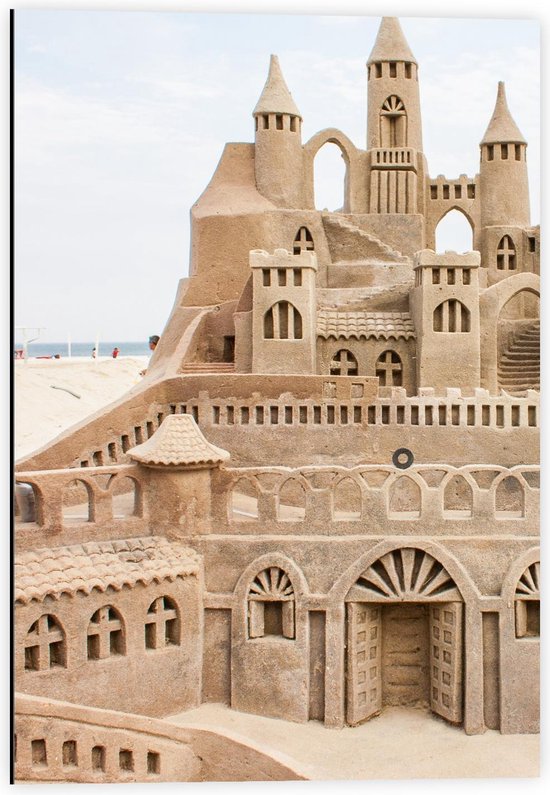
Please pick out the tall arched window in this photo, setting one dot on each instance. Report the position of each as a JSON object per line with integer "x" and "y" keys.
{"x": 389, "y": 369}
{"x": 45, "y": 645}
{"x": 162, "y": 624}
{"x": 271, "y": 605}
{"x": 451, "y": 315}
{"x": 282, "y": 322}
{"x": 393, "y": 122}
{"x": 343, "y": 363}
{"x": 303, "y": 241}
{"x": 506, "y": 254}
{"x": 105, "y": 634}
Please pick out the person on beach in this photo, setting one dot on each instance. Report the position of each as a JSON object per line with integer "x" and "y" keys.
{"x": 115, "y": 352}
{"x": 94, "y": 353}
{"x": 153, "y": 342}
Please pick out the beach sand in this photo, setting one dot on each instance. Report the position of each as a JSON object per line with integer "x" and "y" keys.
{"x": 43, "y": 407}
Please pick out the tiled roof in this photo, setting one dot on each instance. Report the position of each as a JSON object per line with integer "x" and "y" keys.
{"x": 101, "y": 565}
{"x": 381, "y": 325}
{"x": 178, "y": 442}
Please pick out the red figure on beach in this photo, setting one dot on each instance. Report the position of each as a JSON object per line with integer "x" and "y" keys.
{"x": 115, "y": 352}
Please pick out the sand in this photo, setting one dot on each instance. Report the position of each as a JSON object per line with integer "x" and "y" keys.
{"x": 43, "y": 407}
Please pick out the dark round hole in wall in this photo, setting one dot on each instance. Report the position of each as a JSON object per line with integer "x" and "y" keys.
{"x": 402, "y": 458}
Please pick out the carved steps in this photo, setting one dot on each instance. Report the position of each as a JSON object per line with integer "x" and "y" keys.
{"x": 519, "y": 366}
{"x": 371, "y": 247}
{"x": 207, "y": 367}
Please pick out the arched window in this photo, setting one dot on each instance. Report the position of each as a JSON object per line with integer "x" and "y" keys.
{"x": 291, "y": 503}
{"x": 282, "y": 322}
{"x": 126, "y": 496}
{"x": 271, "y": 605}
{"x": 45, "y": 645}
{"x": 389, "y": 369}
{"x": 162, "y": 624}
{"x": 105, "y": 634}
{"x": 303, "y": 241}
{"x": 343, "y": 363}
{"x": 346, "y": 501}
{"x": 77, "y": 502}
{"x": 393, "y": 123}
{"x": 506, "y": 254}
{"x": 244, "y": 501}
{"x": 452, "y": 316}
{"x": 510, "y": 499}
{"x": 405, "y": 500}
{"x": 527, "y": 604}
{"x": 458, "y": 498}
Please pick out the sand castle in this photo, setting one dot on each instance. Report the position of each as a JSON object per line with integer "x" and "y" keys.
{"x": 323, "y": 498}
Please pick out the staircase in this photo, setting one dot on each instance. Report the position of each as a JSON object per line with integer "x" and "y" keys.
{"x": 519, "y": 366}
{"x": 349, "y": 242}
{"x": 207, "y": 367}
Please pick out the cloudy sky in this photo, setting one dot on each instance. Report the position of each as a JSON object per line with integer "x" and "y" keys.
{"x": 121, "y": 118}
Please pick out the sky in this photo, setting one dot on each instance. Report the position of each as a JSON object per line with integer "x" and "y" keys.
{"x": 121, "y": 118}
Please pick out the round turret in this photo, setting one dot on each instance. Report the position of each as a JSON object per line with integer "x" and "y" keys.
{"x": 504, "y": 189}
{"x": 278, "y": 150}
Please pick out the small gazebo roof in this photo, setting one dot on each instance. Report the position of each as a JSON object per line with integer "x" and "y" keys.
{"x": 178, "y": 442}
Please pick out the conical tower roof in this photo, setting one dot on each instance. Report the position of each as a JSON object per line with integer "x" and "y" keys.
{"x": 391, "y": 44}
{"x": 502, "y": 128}
{"x": 275, "y": 97}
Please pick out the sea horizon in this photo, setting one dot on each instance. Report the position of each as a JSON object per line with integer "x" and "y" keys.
{"x": 84, "y": 349}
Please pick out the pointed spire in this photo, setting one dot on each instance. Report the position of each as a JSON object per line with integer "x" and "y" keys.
{"x": 391, "y": 44}
{"x": 502, "y": 128}
{"x": 275, "y": 97}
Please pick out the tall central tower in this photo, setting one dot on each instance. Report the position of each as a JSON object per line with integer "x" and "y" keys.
{"x": 394, "y": 125}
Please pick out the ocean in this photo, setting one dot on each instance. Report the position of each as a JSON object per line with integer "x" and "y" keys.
{"x": 84, "y": 349}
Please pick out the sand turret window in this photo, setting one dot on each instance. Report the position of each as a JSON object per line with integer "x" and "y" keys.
{"x": 506, "y": 254}
{"x": 393, "y": 122}
{"x": 389, "y": 369}
{"x": 162, "y": 624}
{"x": 303, "y": 241}
{"x": 105, "y": 634}
{"x": 451, "y": 316}
{"x": 282, "y": 322}
{"x": 45, "y": 645}
{"x": 271, "y": 605}
{"x": 344, "y": 363}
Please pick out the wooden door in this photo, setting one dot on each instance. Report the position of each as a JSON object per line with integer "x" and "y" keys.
{"x": 446, "y": 667}
{"x": 364, "y": 661}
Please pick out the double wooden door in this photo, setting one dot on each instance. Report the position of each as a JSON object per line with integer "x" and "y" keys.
{"x": 364, "y": 676}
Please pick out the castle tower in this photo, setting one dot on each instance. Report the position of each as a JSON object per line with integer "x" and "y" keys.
{"x": 503, "y": 170}
{"x": 394, "y": 125}
{"x": 445, "y": 309}
{"x": 278, "y": 150}
{"x": 284, "y": 332}
{"x": 504, "y": 193}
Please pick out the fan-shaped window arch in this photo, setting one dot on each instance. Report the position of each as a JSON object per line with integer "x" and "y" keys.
{"x": 389, "y": 369}
{"x": 162, "y": 624}
{"x": 45, "y": 644}
{"x": 393, "y": 122}
{"x": 271, "y": 605}
{"x": 451, "y": 316}
{"x": 282, "y": 321}
{"x": 527, "y": 603}
{"x": 506, "y": 254}
{"x": 106, "y": 634}
{"x": 406, "y": 574}
{"x": 344, "y": 363}
{"x": 303, "y": 241}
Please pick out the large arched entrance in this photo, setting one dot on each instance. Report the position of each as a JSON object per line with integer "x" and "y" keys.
{"x": 404, "y": 638}
{"x": 454, "y": 232}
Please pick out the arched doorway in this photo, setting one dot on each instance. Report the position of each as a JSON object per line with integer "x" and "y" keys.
{"x": 404, "y": 638}
{"x": 454, "y": 232}
{"x": 518, "y": 343}
{"x": 330, "y": 175}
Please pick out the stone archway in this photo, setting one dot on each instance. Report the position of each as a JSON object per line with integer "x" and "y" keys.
{"x": 404, "y": 637}
{"x": 353, "y": 199}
